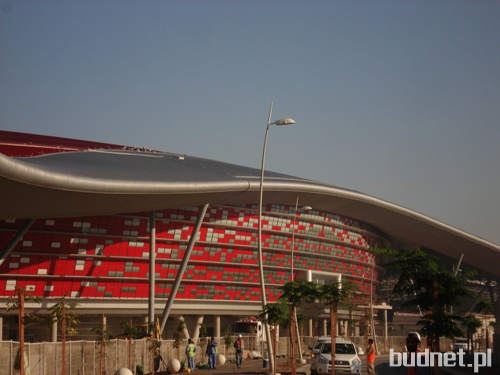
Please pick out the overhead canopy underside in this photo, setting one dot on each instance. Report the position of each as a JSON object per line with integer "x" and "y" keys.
{"x": 102, "y": 182}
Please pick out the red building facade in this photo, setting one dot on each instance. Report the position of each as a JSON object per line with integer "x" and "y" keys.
{"x": 104, "y": 260}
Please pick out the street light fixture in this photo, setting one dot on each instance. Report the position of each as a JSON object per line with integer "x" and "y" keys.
{"x": 281, "y": 121}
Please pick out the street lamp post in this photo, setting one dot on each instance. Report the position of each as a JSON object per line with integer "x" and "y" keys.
{"x": 282, "y": 121}
{"x": 292, "y": 278}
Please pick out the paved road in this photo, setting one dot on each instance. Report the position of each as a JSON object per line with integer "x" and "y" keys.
{"x": 255, "y": 367}
{"x": 382, "y": 367}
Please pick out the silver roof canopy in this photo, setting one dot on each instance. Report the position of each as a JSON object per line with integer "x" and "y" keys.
{"x": 104, "y": 182}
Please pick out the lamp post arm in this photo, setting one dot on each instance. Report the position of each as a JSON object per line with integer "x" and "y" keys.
{"x": 259, "y": 247}
{"x": 282, "y": 121}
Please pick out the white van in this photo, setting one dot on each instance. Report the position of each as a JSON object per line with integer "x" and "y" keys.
{"x": 347, "y": 360}
{"x": 251, "y": 326}
{"x": 461, "y": 343}
{"x": 315, "y": 352}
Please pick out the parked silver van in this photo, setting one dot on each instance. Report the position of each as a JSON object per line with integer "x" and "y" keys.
{"x": 347, "y": 360}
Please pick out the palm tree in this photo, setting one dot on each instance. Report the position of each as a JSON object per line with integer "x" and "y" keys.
{"x": 177, "y": 340}
{"x": 485, "y": 307}
{"x": 430, "y": 287}
{"x": 294, "y": 294}
{"x": 103, "y": 338}
{"x": 334, "y": 294}
{"x": 63, "y": 312}
{"x": 275, "y": 314}
{"x": 228, "y": 339}
{"x": 130, "y": 332}
{"x": 202, "y": 340}
{"x": 471, "y": 324}
{"x": 17, "y": 303}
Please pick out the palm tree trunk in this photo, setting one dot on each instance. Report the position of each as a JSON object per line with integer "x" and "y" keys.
{"x": 101, "y": 351}
{"x": 333, "y": 330}
{"x": 21, "y": 331}
{"x": 130, "y": 346}
{"x": 435, "y": 347}
{"x": 63, "y": 338}
{"x": 293, "y": 330}
{"x": 274, "y": 343}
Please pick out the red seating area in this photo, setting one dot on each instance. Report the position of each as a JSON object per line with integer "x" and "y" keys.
{"x": 108, "y": 256}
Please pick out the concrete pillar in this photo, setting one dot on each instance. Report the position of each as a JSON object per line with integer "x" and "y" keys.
{"x": 386, "y": 329}
{"x": 1, "y": 328}
{"x": 310, "y": 327}
{"x": 356, "y": 328}
{"x": 325, "y": 328}
{"x": 217, "y": 326}
{"x": 152, "y": 264}
{"x": 54, "y": 331}
{"x": 185, "y": 330}
{"x": 199, "y": 322}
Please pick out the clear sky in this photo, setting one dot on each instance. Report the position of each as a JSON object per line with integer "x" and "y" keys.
{"x": 396, "y": 99}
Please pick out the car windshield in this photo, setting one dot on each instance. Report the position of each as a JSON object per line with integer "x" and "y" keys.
{"x": 245, "y": 328}
{"x": 318, "y": 345}
{"x": 339, "y": 349}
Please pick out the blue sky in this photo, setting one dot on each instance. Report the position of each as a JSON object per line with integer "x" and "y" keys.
{"x": 396, "y": 99}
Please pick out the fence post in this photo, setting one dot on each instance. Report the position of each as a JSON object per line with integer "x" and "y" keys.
{"x": 55, "y": 345}
{"x": 11, "y": 361}
{"x": 82, "y": 356}
{"x": 116, "y": 353}
{"x": 70, "y": 356}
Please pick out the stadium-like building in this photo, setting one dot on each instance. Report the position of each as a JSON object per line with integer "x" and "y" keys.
{"x": 78, "y": 219}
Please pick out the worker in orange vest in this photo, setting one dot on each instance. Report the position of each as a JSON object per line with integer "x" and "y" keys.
{"x": 370, "y": 357}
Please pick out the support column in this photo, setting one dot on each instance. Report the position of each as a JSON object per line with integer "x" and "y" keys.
{"x": 1, "y": 328}
{"x": 54, "y": 331}
{"x": 185, "y": 329}
{"x": 310, "y": 328}
{"x": 182, "y": 268}
{"x": 199, "y": 322}
{"x": 18, "y": 237}
{"x": 217, "y": 326}
{"x": 152, "y": 263}
{"x": 325, "y": 328}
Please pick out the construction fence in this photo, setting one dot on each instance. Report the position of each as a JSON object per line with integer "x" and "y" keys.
{"x": 89, "y": 357}
{"x": 96, "y": 358}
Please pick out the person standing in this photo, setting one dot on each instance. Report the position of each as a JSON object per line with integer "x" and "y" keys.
{"x": 370, "y": 357}
{"x": 239, "y": 346}
{"x": 211, "y": 352}
{"x": 190, "y": 353}
{"x": 413, "y": 346}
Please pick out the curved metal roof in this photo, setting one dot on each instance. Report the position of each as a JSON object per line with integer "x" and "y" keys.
{"x": 100, "y": 182}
